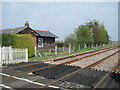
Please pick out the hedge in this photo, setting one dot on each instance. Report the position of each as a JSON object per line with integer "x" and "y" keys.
{"x": 24, "y": 41}
{"x": 6, "y": 39}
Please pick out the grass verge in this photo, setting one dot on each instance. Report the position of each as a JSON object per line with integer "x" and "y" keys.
{"x": 65, "y": 54}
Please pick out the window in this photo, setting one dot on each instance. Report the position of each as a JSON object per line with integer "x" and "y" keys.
{"x": 40, "y": 42}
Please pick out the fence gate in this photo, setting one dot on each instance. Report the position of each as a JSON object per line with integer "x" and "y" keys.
{"x": 10, "y": 55}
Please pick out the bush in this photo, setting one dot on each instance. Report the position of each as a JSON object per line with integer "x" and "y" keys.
{"x": 7, "y": 39}
{"x": 24, "y": 41}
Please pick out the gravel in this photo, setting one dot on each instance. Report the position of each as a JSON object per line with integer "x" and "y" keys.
{"x": 106, "y": 65}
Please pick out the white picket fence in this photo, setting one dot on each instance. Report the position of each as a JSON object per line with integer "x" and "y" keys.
{"x": 10, "y": 55}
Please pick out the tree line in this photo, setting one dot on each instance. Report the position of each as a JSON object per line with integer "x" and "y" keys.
{"x": 91, "y": 33}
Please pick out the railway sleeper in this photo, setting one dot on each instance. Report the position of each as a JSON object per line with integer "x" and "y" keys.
{"x": 56, "y": 72}
{"x": 112, "y": 81}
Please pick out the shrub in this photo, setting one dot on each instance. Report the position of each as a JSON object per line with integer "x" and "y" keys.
{"x": 7, "y": 39}
{"x": 24, "y": 41}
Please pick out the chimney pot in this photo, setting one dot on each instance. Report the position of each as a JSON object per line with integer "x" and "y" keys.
{"x": 26, "y": 24}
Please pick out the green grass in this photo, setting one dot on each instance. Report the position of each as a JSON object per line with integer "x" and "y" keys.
{"x": 51, "y": 54}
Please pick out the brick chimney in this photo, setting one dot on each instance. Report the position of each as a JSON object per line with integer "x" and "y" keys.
{"x": 26, "y": 24}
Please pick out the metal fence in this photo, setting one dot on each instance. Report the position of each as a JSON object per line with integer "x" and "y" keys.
{"x": 10, "y": 55}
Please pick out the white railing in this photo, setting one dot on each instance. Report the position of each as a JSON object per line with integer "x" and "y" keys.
{"x": 10, "y": 55}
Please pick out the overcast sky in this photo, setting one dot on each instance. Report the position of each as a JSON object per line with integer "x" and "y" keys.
{"x": 61, "y": 18}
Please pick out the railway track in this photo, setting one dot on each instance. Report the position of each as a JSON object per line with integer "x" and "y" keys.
{"x": 33, "y": 68}
{"x": 77, "y": 55}
{"x": 108, "y": 64}
{"x": 81, "y": 69}
{"x": 100, "y": 83}
{"x": 55, "y": 60}
{"x": 90, "y": 60}
{"x": 46, "y": 66}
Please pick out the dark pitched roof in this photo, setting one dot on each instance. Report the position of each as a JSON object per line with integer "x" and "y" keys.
{"x": 45, "y": 33}
{"x": 13, "y": 30}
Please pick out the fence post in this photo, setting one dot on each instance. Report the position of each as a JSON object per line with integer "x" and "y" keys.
{"x": 35, "y": 49}
{"x": 56, "y": 50}
{"x": 10, "y": 55}
{"x": 26, "y": 55}
{"x": 63, "y": 48}
{"x": 69, "y": 48}
{"x": 0, "y": 56}
{"x": 85, "y": 46}
{"x": 103, "y": 44}
{"x": 74, "y": 48}
{"x": 79, "y": 46}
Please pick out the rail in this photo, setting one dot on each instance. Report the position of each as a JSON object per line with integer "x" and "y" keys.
{"x": 62, "y": 58}
{"x": 63, "y": 63}
{"x": 103, "y": 79}
{"x": 79, "y": 70}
